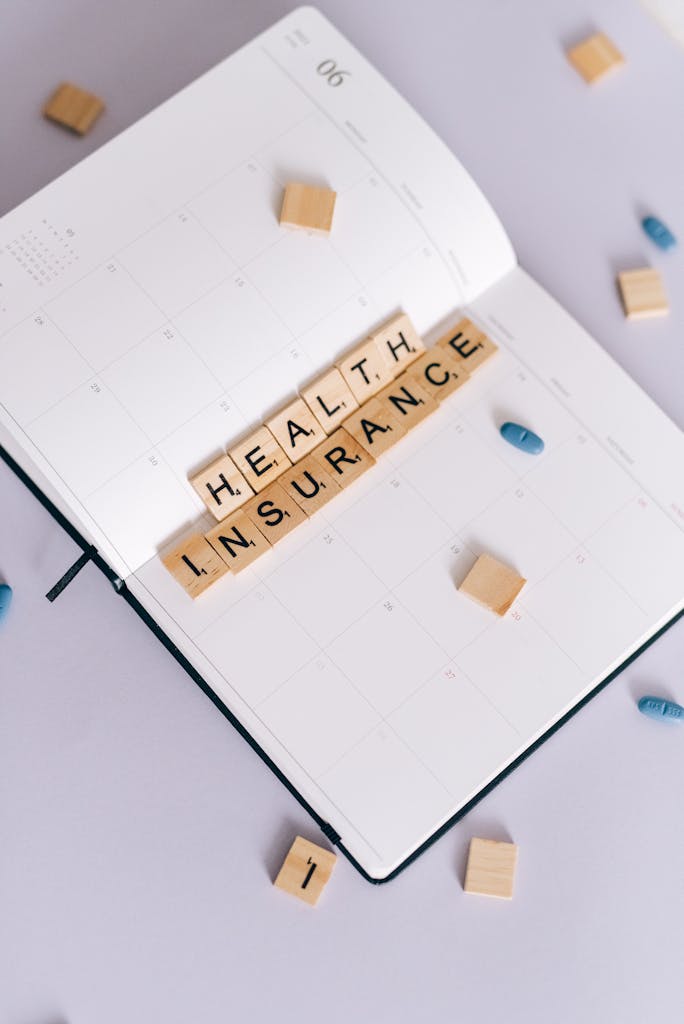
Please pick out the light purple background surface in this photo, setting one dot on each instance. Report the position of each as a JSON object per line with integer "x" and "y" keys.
{"x": 139, "y": 833}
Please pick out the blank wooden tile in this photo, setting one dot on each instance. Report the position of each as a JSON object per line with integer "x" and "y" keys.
{"x": 306, "y": 870}
{"x": 365, "y": 370}
{"x": 222, "y": 487}
{"x": 469, "y": 344}
{"x": 595, "y": 57}
{"x": 309, "y": 484}
{"x": 398, "y": 342}
{"x": 343, "y": 457}
{"x": 195, "y": 564}
{"x": 643, "y": 293}
{"x": 73, "y": 108}
{"x": 439, "y": 372}
{"x": 237, "y": 541}
{"x": 374, "y": 427}
{"x": 274, "y": 513}
{"x": 407, "y": 401}
{"x": 307, "y": 207}
{"x": 330, "y": 399}
{"x": 491, "y": 868}
{"x": 259, "y": 458}
{"x": 296, "y": 429}
{"x": 492, "y": 584}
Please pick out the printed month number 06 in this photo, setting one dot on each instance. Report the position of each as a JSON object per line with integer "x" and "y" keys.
{"x": 329, "y": 69}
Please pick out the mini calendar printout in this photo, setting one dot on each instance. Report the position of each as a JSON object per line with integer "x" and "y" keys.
{"x": 153, "y": 312}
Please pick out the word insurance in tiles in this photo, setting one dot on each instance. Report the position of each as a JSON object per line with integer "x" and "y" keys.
{"x": 292, "y": 465}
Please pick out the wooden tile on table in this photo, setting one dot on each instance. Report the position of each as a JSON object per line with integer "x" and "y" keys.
{"x": 491, "y": 868}
{"x": 73, "y": 108}
{"x": 306, "y": 870}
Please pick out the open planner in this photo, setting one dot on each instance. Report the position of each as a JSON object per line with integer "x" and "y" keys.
{"x": 153, "y": 311}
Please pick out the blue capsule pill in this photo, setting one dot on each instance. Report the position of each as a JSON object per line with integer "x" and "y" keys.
{"x": 658, "y": 232}
{"x": 656, "y": 707}
{"x": 522, "y": 438}
{"x": 5, "y": 599}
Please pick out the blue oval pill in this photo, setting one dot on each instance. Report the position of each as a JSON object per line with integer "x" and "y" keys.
{"x": 522, "y": 438}
{"x": 5, "y": 599}
{"x": 658, "y": 232}
{"x": 656, "y": 707}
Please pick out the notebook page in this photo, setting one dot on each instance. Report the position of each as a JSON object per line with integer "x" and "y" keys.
{"x": 152, "y": 309}
{"x": 384, "y": 695}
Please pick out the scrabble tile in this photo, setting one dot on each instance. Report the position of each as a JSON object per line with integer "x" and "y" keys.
{"x": 469, "y": 344}
{"x": 73, "y": 108}
{"x": 259, "y": 458}
{"x": 307, "y": 207}
{"x": 274, "y": 513}
{"x": 643, "y": 293}
{"x": 595, "y": 57}
{"x": 237, "y": 541}
{"x": 296, "y": 429}
{"x": 343, "y": 457}
{"x": 407, "y": 401}
{"x": 222, "y": 487}
{"x": 330, "y": 399}
{"x": 306, "y": 870}
{"x": 195, "y": 564}
{"x": 398, "y": 342}
{"x": 491, "y": 868}
{"x": 439, "y": 372}
{"x": 365, "y": 370}
{"x": 492, "y": 584}
{"x": 310, "y": 485}
{"x": 374, "y": 427}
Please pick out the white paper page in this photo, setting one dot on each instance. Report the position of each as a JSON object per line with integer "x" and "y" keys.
{"x": 384, "y": 695}
{"x": 151, "y": 308}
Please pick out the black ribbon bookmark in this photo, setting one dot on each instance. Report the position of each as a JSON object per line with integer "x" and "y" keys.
{"x": 69, "y": 575}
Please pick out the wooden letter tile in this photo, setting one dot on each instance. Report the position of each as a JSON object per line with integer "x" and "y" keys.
{"x": 310, "y": 485}
{"x": 374, "y": 427}
{"x": 492, "y": 584}
{"x": 365, "y": 370}
{"x": 259, "y": 458}
{"x": 468, "y": 344}
{"x": 491, "y": 868}
{"x": 407, "y": 401}
{"x": 307, "y": 207}
{"x": 398, "y": 342}
{"x": 343, "y": 457}
{"x": 296, "y": 429}
{"x": 306, "y": 870}
{"x": 274, "y": 513}
{"x": 330, "y": 399}
{"x": 438, "y": 372}
{"x": 73, "y": 108}
{"x": 595, "y": 57}
{"x": 643, "y": 294}
{"x": 195, "y": 564}
{"x": 237, "y": 541}
{"x": 221, "y": 487}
